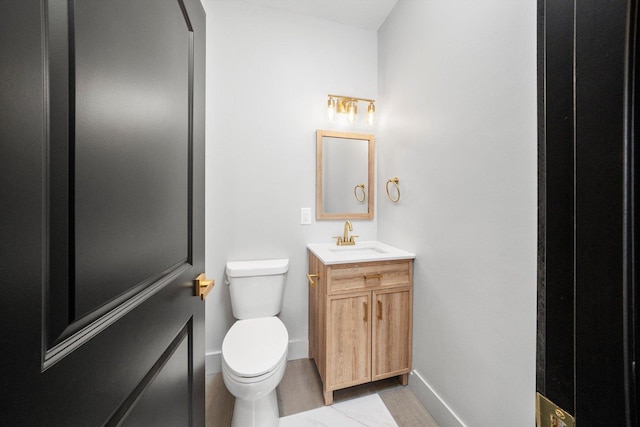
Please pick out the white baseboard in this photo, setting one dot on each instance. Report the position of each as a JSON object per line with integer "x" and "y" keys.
{"x": 298, "y": 349}
{"x": 438, "y": 409}
{"x": 213, "y": 362}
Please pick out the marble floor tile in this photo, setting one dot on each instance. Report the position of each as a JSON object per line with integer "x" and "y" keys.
{"x": 363, "y": 411}
{"x": 300, "y": 391}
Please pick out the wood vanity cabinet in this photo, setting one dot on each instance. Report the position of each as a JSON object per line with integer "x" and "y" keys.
{"x": 360, "y": 322}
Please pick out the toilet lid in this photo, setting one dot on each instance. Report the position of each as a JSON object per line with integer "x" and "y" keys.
{"x": 255, "y": 346}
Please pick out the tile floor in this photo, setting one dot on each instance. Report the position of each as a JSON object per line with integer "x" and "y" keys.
{"x": 301, "y": 390}
{"x": 364, "y": 411}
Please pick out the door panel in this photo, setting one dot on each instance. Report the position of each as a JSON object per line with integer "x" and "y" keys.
{"x": 132, "y": 135}
{"x": 349, "y": 340}
{"x": 162, "y": 397}
{"x": 391, "y": 347}
{"x": 102, "y": 213}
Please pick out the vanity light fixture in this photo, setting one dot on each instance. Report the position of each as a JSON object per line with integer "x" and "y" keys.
{"x": 348, "y": 105}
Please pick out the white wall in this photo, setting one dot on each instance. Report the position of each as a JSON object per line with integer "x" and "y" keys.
{"x": 455, "y": 85}
{"x": 268, "y": 76}
{"x": 457, "y": 109}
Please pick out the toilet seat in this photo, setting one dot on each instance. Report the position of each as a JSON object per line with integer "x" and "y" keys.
{"x": 254, "y": 347}
{"x": 257, "y": 379}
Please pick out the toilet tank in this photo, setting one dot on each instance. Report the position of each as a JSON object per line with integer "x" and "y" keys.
{"x": 256, "y": 287}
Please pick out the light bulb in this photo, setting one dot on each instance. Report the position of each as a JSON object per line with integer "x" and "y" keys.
{"x": 331, "y": 108}
{"x": 371, "y": 113}
{"x": 352, "y": 110}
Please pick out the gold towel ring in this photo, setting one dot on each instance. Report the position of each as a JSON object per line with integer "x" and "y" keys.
{"x": 393, "y": 181}
{"x": 355, "y": 192}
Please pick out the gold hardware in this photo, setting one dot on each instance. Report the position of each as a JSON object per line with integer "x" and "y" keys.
{"x": 340, "y": 104}
{"x": 311, "y": 277}
{"x": 345, "y": 237}
{"x": 349, "y": 98}
{"x": 372, "y": 276}
{"x": 202, "y": 286}
{"x": 395, "y": 182}
{"x": 379, "y": 310}
{"x": 366, "y": 312}
{"x": 355, "y": 192}
{"x": 345, "y": 240}
{"x": 548, "y": 414}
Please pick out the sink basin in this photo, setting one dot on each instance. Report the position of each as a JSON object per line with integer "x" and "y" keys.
{"x": 330, "y": 253}
{"x": 356, "y": 251}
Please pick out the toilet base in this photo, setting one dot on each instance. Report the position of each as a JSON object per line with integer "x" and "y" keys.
{"x": 262, "y": 412}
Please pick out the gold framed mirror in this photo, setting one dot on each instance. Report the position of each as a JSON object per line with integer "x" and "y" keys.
{"x": 344, "y": 175}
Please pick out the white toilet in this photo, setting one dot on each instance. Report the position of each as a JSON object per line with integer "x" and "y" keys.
{"x": 254, "y": 351}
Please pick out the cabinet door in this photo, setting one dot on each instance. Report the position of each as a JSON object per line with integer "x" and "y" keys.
{"x": 348, "y": 340}
{"x": 392, "y": 329}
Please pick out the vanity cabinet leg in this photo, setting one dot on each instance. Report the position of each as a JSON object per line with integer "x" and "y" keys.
{"x": 404, "y": 379}
{"x": 328, "y": 397}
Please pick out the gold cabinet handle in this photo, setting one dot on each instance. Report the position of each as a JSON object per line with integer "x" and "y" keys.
{"x": 366, "y": 312}
{"x": 372, "y": 276}
{"x": 379, "y": 310}
{"x": 202, "y": 286}
{"x": 311, "y": 277}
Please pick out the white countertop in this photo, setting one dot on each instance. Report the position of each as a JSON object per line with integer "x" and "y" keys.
{"x": 367, "y": 251}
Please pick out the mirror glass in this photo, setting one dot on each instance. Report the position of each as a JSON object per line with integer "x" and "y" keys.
{"x": 344, "y": 175}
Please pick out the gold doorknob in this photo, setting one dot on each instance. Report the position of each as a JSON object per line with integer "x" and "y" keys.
{"x": 202, "y": 286}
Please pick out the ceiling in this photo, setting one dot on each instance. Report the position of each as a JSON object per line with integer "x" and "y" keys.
{"x": 367, "y": 14}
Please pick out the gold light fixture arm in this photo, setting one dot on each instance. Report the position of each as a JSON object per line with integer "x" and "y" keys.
{"x": 351, "y": 98}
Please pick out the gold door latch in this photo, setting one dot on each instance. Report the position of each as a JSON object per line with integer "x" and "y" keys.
{"x": 548, "y": 414}
{"x": 202, "y": 286}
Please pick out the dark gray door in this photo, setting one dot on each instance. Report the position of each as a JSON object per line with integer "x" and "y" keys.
{"x": 588, "y": 294}
{"x": 101, "y": 212}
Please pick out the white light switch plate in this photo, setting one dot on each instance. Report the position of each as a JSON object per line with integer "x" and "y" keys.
{"x": 305, "y": 216}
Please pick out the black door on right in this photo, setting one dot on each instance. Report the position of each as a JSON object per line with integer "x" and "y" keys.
{"x": 589, "y": 186}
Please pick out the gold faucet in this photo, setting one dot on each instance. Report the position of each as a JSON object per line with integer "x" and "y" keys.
{"x": 345, "y": 240}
